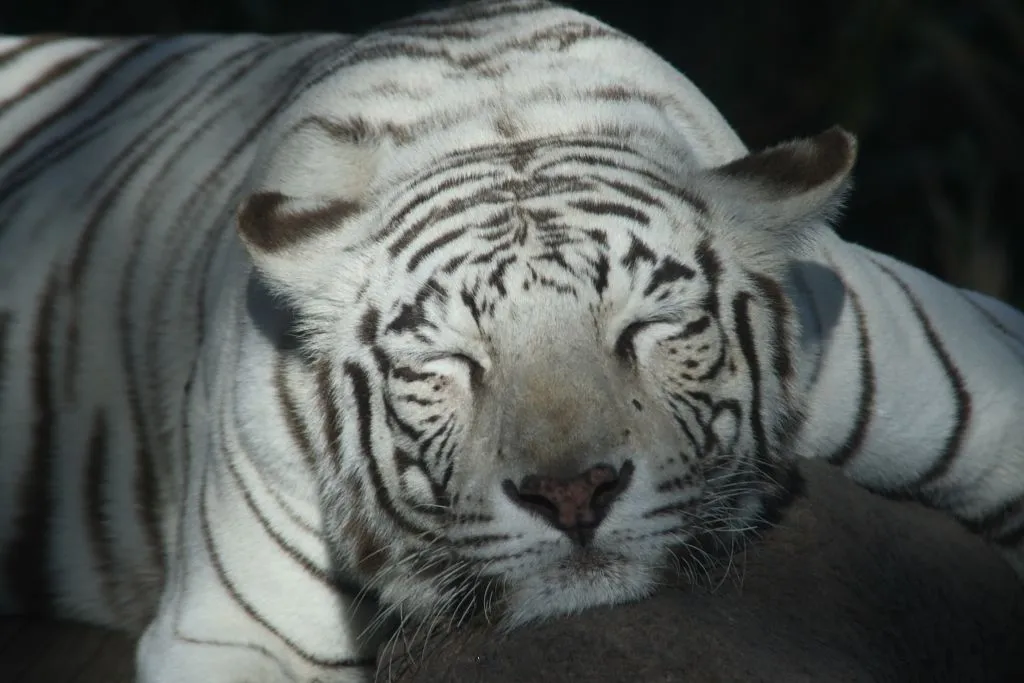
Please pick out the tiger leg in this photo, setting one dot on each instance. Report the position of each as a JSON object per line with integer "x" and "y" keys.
{"x": 247, "y": 600}
{"x": 168, "y": 652}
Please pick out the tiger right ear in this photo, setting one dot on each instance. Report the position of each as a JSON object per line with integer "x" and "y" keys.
{"x": 305, "y": 206}
{"x": 772, "y": 197}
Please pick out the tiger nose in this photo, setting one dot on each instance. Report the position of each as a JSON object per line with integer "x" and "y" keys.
{"x": 575, "y": 505}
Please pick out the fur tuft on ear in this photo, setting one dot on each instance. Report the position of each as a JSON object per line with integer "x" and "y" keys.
{"x": 771, "y": 202}
{"x": 313, "y": 187}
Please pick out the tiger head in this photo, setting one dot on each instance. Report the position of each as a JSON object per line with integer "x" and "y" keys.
{"x": 558, "y": 364}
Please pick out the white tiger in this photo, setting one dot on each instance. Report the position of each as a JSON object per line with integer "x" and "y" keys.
{"x": 511, "y": 320}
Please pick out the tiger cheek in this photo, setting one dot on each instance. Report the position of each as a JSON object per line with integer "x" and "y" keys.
{"x": 724, "y": 430}
{"x": 416, "y": 487}
{"x": 692, "y": 361}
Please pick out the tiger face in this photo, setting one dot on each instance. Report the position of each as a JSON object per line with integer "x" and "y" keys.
{"x": 570, "y": 434}
{"x": 560, "y": 364}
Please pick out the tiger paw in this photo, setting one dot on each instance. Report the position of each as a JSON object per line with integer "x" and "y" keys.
{"x": 167, "y": 655}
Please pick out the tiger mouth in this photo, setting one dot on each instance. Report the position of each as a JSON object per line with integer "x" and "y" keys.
{"x": 586, "y": 561}
{"x": 699, "y": 549}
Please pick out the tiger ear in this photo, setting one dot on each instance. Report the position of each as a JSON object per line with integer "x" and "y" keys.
{"x": 772, "y": 198}
{"x": 311, "y": 190}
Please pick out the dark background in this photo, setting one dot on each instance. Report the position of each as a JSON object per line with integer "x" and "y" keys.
{"x": 933, "y": 88}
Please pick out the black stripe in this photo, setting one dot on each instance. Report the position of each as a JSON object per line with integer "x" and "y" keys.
{"x": 213, "y": 240}
{"x": 364, "y": 418}
{"x": 444, "y": 450}
{"x": 694, "y": 327}
{"x": 620, "y": 93}
{"x": 142, "y": 147}
{"x": 28, "y": 554}
{"x": 504, "y": 153}
{"x": 668, "y": 272}
{"x": 674, "y": 484}
{"x": 609, "y": 208}
{"x": 433, "y": 246}
{"x": 367, "y": 51}
{"x": 5, "y": 327}
{"x": 748, "y": 346}
{"x": 53, "y": 73}
{"x": 149, "y": 501}
{"x": 437, "y": 213}
{"x": 565, "y": 34}
{"x": 282, "y": 502}
{"x": 600, "y": 275}
{"x": 147, "y": 491}
{"x": 266, "y": 224}
{"x": 170, "y": 275}
{"x": 961, "y": 397}
{"x": 252, "y": 647}
{"x": 331, "y": 418}
{"x": 278, "y": 497}
{"x": 26, "y": 46}
{"x": 638, "y": 251}
{"x": 199, "y": 271}
{"x": 711, "y": 267}
{"x": 225, "y": 580}
{"x": 396, "y": 422}
{"x": 866, "y": 403}
{"x": 357, "y": 130}
{"x": 279, "y": 539}
{"x": 417, "y": 200}
{"x": 632, "y": 191}
{"x": 368, "y": 326}
{"x": 518, "y": 154}
{"x": 695, "y": 443}
{"x": 480, "y": 540}
{"x": 185, "y": 457}
{"x": 650, "y": 179}
{"x": 95, "y": 506}
{"x": 772, "y": 292}
{"x": 60, "y": 147}
{"x": 297, "y": 427}
{"x": 687, "y": 400}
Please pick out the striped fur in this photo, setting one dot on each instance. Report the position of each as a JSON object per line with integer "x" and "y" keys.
{"x": 281, "y": 317}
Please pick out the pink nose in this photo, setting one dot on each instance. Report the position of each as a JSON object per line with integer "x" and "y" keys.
{"x": 575, "y": 505}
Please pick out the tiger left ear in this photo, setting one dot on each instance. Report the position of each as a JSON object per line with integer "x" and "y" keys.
{"x": 780, "y": 192}
{"x": 305, "y": 205}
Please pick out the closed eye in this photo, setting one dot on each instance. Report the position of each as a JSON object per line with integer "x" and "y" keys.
{"x": 475, "y": 367}
{"x": 625, "y": 346}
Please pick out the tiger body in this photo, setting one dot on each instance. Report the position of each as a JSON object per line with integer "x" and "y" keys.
{"x": 284, "y": 319}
